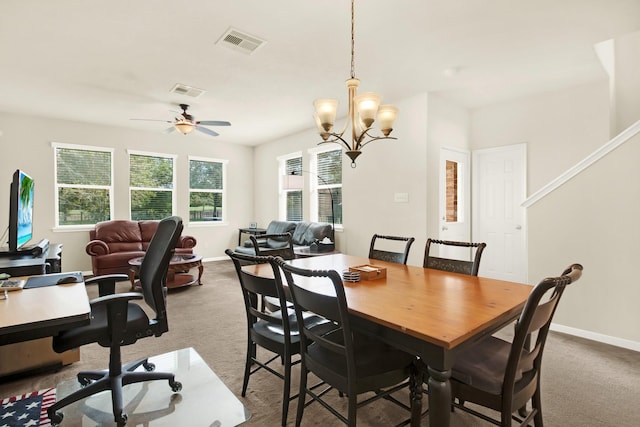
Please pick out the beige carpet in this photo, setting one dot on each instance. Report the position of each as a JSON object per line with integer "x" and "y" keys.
{"x": 584, "y": 383}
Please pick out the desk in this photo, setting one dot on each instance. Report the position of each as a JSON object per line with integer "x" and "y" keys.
{"x": 36, "y": 313}
{"x": 26, "y": 264}
{"x": 430, "y": 313}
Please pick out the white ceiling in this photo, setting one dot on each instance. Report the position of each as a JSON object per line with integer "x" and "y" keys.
{"x": 110, "y": 61}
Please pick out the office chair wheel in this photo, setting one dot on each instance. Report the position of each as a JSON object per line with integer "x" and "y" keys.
{"x": 149, "y": 366}
{"x": 176, "y": 386}
{"x": 84, "y": 382}
{"x": 123, "y": 420}
{"x": 56, "y": 418}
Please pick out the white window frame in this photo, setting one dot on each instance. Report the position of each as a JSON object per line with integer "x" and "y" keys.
{"x": 173, "y": 157}
{"x": 314, "y": 186}
{"x": 223, "y": 192}
{"x": 109, "y": 188}
{"x": 282, "y": 192}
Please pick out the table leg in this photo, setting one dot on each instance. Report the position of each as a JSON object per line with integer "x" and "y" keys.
{"x": 200, "y": 271}
{"x": 415, "y": 390}
{"x": 439, "y": 397}
{"x": 132, "y": 278}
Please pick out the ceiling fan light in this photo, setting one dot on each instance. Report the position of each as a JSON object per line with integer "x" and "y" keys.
{"x": 184, "y": 128}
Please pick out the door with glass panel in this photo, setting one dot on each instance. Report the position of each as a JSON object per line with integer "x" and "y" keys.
{"x": 454, "y": 206}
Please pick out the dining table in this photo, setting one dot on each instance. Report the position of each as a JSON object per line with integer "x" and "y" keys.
{"x": 429, "y": 313}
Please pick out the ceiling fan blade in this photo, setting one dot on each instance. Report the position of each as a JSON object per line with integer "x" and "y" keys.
{"x": 154, "y": 120}
{"x": 207, "y": 131}
{"x": 169, "y": 130}
{"x": 213, "y": 123}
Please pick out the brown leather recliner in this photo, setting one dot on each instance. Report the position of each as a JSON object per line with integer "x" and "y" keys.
{"x": 113, "y": 243}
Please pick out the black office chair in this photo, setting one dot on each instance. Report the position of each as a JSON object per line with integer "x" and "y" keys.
{"x": 272, "y": 330}
{"x": 390, "y": 256}
{"x": 505, "y": 376}
{"x": 117, "y": 321}
{"x": 454, "y": 265}
{"x": 341, "y": 358}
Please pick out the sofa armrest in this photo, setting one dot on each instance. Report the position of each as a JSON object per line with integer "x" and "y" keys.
{"x": 97, "y": 248}
{"x": 186, "y": 242}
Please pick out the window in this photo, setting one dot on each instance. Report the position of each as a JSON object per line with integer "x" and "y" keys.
{"x": 151, "y": 184}
{"x": 328, "y": 186}
{"x": 452, "y": 191}
{"x": 291, "y": 198}
{"x": 206, "y": 189}
{"x": 84, "y": 184}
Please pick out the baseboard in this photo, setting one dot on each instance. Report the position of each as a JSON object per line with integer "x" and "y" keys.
{"x": 594, "y": 336}
{"x": 219, "y": 258}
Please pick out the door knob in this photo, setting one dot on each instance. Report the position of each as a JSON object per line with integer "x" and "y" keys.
{"x": 444, "y": 228}
{"x": 518, "y": 227}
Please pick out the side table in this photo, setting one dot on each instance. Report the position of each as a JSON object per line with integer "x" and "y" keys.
{"x": 177, "y": 274}
{"x": 254, "y": 231}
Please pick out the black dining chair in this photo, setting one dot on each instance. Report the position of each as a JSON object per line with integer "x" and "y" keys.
{"x": 275, "y": 244}
{"x": 273, "y": 330}
{"x": 117, "y": 321}
{"x": 399, "y": 257}
{"x": 504, "y": 376}
{"x": 340, "y": 357}
{"x": 463, "y": 266}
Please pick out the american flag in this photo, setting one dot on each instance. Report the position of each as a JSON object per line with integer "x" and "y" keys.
{"x": 27, "y": 410}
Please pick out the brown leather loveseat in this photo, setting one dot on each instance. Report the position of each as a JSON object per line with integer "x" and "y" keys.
{"x": 113, "y": 243}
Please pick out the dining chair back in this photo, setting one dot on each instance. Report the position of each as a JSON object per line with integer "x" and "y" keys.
{"x": 274, "y": 244}
{"x": 463, "y": 266}
{"x": 505, "y": 376}
{"x": 336, "y": 354}
{"x": 399, "y": 257}
{"x": 272, "y": 330}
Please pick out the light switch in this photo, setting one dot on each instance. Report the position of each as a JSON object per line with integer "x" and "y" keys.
{"x": 401, "y": 197}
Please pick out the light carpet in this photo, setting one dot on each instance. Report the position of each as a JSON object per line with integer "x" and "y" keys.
{"x": 584, "y": 383}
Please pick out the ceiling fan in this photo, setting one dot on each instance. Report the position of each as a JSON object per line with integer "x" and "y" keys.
{"x": 185, "y": 123}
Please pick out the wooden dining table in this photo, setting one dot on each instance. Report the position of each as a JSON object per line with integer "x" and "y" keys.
{"x": 430, "y": 313}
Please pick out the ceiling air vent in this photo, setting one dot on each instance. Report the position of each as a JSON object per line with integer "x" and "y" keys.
{"x": 239, "y": 41}
{"x": 191, "y": 91}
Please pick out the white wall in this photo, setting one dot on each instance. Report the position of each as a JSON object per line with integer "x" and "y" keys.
{"x": 591, "y": 220}
{"x": 448, "y": 126}
{"x": 407, "y": 165}
{"x": 560, "y": 128}
{"x": 26, "y": 144}
{"x": 627, "y": 83}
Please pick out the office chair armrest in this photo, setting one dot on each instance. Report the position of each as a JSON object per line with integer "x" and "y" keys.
{"x": 124, "y": 297}
{"x": 106, "y": 283}
{"x": 117, "y": 307}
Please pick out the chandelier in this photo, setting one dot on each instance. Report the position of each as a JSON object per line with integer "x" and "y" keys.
{"x": 363, "y": 109}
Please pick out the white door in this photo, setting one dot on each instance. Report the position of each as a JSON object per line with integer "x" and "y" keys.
{"x": 454, "y": 202}
{"x": 499, "y": 220}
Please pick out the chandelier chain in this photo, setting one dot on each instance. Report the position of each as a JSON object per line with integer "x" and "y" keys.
{"x": 353, "y": 64}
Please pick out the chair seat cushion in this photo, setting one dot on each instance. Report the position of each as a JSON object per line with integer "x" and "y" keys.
{"x": 483, "y": 365}
{"x": 378, "y": 365}
{"x": 98, "y": 331}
